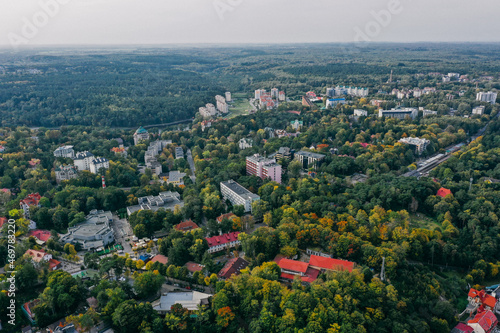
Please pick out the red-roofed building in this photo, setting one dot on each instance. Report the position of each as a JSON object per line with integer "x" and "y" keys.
{"x": 54, "y": 265}
{"x": 229, "y": 216}
{"x": 292, "y": 268}
{"x": 481, "y": 299}
{"x": 28, "y": 310}
{"x": 32, "y": 199}
{"x": 443, "y": 192}
{"x": 220, "y": 243}
{"x": 193, "y": 267}
{"x": 323, "y": 263}
{"x": 186, "y": 226}
{"x": 462, "y": 328}
{"x": 34, "y": 162}
{"x": 160, "y": 258}
{"x": 484, "y": 322}
{"x": 41, "y": 235}
{"x": 38, "y": 256}
{"x": 233, "y": 266}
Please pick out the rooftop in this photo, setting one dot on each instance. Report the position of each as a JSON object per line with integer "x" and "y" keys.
{"x": 189, "y": 300}
{"x": 223, "y": 239}
{"x": 233, "y": 266}
{"x": 240, "y": 190}
{"x": 331, "y": 264}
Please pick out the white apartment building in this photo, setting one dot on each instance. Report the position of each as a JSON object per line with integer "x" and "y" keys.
{"x": 478, "y": 110}
{"x": 99, "y": 163}
{"x": 420, "y": 144}
{"x": 140, "y": 134}
{"x": 245, "y": 143}
{"x": 228, "y": 96}
{"x": 399, "y": 113}
{"x": 64, "y": 151}
{"x": 238, "y": 195}
{"x": 221, "y": 104}
{"x": 82, "y": 160}
{"x": 360, "y": 113}
{"x": 490, "y": 97}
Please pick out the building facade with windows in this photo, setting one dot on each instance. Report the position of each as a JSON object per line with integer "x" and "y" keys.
{"x": 238, "y": 195}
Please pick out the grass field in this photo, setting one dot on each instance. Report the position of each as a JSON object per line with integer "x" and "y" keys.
{"x": 240, "y": 105}
{"x": 422, "y": 221}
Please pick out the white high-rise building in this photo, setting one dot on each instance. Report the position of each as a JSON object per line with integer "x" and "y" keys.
{"x": 228, "y": 96}
{"x": 275, "y": 93}
{"x": 221, "y": 104}
{"x": 490, "y": 97}
{"x": 64, "y": 151}
{"x": 82, "y": 160}
{"x": 98, "y": 163}
{"x": 282, "y": 96}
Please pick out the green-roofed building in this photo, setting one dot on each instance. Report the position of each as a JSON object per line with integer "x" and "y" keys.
{"x": 141, "y": 134}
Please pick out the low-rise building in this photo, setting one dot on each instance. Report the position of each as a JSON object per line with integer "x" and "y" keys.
{"x": 420, "y": 144}
{"x": 189, "y": 300}
{"x": 66, "y": 172}
{"x": 176, "y": 178}
{"x": 309, "y": 159}
{"x": 64, "y": 151}
{"x": 333, "y": 102}
{"x": 399, "y": 113}
{"x": 228, "y": 216}
{"x": 238, "y": 195}
{"x": 292, "y": 268}
{"x": 284, "y": 153}
{"x": 42, "y": 236}
{"x": 186, "y": 226}
{"x": 232, "y": 267}
{"x": 245, "y": 143}
{"x": 427, "y": 113}
{"x": 92, "y": 234}
{"x": 329, "y": 264}
{"x": 179, "y": 153}
{"x": 222, "y": 242}
{"x": 159, "y": 258}
{"x": 296, "y": 124}
{"x": 164, "y": 200}
{"x": 38, "y": 256}
{"x": 360, "y": 113}
{"x": 119, "y": 151}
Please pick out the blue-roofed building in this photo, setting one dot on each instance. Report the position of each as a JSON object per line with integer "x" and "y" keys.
{"x": 332, "y": 102}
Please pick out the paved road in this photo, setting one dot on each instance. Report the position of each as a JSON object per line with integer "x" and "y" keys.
{"x": 190, "y": 160}
{"x": 122, "y": 230}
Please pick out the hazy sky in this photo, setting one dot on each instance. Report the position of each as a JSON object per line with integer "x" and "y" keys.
{"x": 245, "y": 21}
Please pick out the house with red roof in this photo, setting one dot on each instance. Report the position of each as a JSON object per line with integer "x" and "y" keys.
{"x": 186, "y": 226}
{"x": 193, "y": 267}
{"x": 41, "y": 235}
{"x": 481, "y": 300}
{"x": 160, "y": 258}
{"x": 443, "y": 192}
{"x": 484, "y": 322}
{"x": 27, "y": 309}
{"x": 228, "y": 216}
{"x": 233, "y": 266}
{"x": 3, "y": 220}
{"x": 32, "y": 199}
{"x": 38, "y": 256}
{"x": 329, "y": 264}
{"x": 54, "y": 265}
{"x": 462, "y": 328}
{"x": 220, "y": 243}
{"x": 292, "y": 268}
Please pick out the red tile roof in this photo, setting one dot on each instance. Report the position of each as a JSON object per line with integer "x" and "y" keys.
{"x": 32, "y": 199}
{"x": 310, "y": 275}
{"x": 486, "y": 320}
{"x": 186, "y": 226}
{"x": 443, "y": 192}
{"x": 53, "y": 264}
{"x": 483, "y": 297}
{"x": 331, "y": 264}
{"x": 293, "y": 265}
{"x": 193, "y": 267}
{"x": 223, "y": 239}
{"x": 159, "y": 258}
{"x": 473, "y": 293}
{"x": 42, "y": 235}
{"x": 462, "y": 328}
{"x": 233, "y": 266}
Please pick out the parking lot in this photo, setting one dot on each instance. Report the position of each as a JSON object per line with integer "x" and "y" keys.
{"x": 122, "y": 231}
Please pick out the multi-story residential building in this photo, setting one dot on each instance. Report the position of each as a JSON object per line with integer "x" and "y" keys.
{"x": 82, "y": 160}
{"x": 179, "y": 153}
{"x": 140, "y": 134}
{"x": 478, "y": 110}
{"x": 343, "y": 90}
{"x": 32, "y": 200}
{"x": 228, "y": 96}
{"x": 284, "y": 153}
{"x": 211, "y": 109}
{"x": 275, "y": 93}
{"x": 332, "y": 102}
{"x": 66, "y": 172}
{"x": 204, "y": 112}
{"x": 238, "y": 195}
{"x": 263, "y": 168}
{"x": 296, "y": 124}
{"x": 99, "y": 163}
{"x": 330, "y": 92}
{"x": 399, "y": 113}
{"x": 446, "y": 79}
{"x": 222, "y": 242}
{"x": 221, "y": 104}
{"x": 490, "y": 97}
{"x": 282, "y": 96}
{"x": 92, "y": 234}
{"x": 308, "y": 159}
{"x": 245, "y": 143}
{"x": 420, "y": 144}
{"x": 165, "y": 200}
{"x": 64, "y": 151}
{"x": 360, "y": 113}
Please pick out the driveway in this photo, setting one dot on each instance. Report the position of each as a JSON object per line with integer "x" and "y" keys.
{"x": 122, "y": 231}
{"x": 191, "y": 164}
